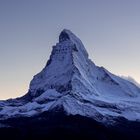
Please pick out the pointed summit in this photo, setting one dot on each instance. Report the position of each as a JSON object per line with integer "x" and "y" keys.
{"x": 64, "y": 35}
{"x": 67, "y": 58}
{"x": 68, "y": 35}
{"x": 67, "y": 38}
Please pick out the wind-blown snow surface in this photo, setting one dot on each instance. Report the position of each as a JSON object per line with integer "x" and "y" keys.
{"x": 72, "y": 81}
{"x": 131, "y": 79}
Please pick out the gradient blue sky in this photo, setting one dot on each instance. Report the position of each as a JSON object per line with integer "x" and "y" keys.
{"x": 109, "y": 29}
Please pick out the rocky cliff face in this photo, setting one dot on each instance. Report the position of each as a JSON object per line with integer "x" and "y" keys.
{"x": 68, "y": 58}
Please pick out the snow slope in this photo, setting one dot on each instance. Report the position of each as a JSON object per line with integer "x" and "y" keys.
{"x": 72, "y": 81}
{"x": 131, "y": 79}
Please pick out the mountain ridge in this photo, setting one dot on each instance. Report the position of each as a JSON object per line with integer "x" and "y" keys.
{"x": 73, "y": 98}
{"x": 72, "y": 81}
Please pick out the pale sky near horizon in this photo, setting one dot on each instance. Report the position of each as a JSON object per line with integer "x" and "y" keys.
{"x": 109, "y": 29}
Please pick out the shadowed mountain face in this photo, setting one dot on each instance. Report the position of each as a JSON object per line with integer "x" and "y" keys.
{"x": 73, "y": 97}
{"x": 58, "y": 125}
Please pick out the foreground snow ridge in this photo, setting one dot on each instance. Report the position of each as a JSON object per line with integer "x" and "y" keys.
{"x": 70, "y": 80}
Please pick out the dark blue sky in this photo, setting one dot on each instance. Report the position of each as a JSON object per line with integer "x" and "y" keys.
{"x": 109, "y": 29}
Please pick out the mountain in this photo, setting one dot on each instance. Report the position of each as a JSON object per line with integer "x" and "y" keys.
{"x": 74, "y": 95}
{"x": 131, "y": 79}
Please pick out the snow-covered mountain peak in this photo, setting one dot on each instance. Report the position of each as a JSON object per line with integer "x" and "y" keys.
{"x": 69, "y": 70}
{"x": 68, "y": 58}
{"x": 65, "y": 35}
{"x": 67, "y": 38}
{"x": 71, "y": 80}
